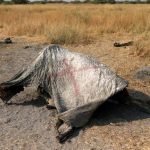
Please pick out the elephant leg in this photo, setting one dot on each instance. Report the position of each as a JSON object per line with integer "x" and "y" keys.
{"x": 58, "y": 124}
{"x": 65, "y": 131}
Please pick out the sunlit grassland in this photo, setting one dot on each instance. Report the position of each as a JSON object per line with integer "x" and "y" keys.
{"x": 74, "y": 23}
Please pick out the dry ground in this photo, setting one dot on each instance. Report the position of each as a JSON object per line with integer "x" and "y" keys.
{"x": 26, "y": 124}
{"x": 91, "y": 29}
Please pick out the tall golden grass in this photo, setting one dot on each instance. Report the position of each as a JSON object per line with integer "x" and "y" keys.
{"x": 73, "y": 23}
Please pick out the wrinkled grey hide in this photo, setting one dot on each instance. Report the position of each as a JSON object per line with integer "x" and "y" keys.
{"x": 77, "y": 83}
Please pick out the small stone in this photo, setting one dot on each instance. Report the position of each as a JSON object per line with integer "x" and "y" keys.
{"x": 27, "y": 46}
{"x": 8, "y": 40}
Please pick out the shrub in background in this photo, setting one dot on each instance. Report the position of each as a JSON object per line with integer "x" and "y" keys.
{"x": 20, "y": 1}
{"x": 1, "y": 1}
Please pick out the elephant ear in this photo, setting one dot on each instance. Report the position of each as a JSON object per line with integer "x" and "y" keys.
{"x": 34, "y": 73}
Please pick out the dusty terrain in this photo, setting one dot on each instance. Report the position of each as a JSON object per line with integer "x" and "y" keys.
{"x": 27, "y": 124}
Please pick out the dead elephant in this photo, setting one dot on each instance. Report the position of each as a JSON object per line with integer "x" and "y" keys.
{"x": 77, "y": 84}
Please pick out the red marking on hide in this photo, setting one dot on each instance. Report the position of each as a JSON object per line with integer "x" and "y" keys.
{"x": 69, "y": 70}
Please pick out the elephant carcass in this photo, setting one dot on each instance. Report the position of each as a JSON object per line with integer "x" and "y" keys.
{"x": 78, "y": 84}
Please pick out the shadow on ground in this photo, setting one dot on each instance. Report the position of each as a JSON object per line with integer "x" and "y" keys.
{"x": 38, "y": 102}
{"x": 118, "y": 114}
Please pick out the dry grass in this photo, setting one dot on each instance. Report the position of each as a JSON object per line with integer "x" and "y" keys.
{"x": 141, "y": 49}
{"x": 73, "y": 24}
